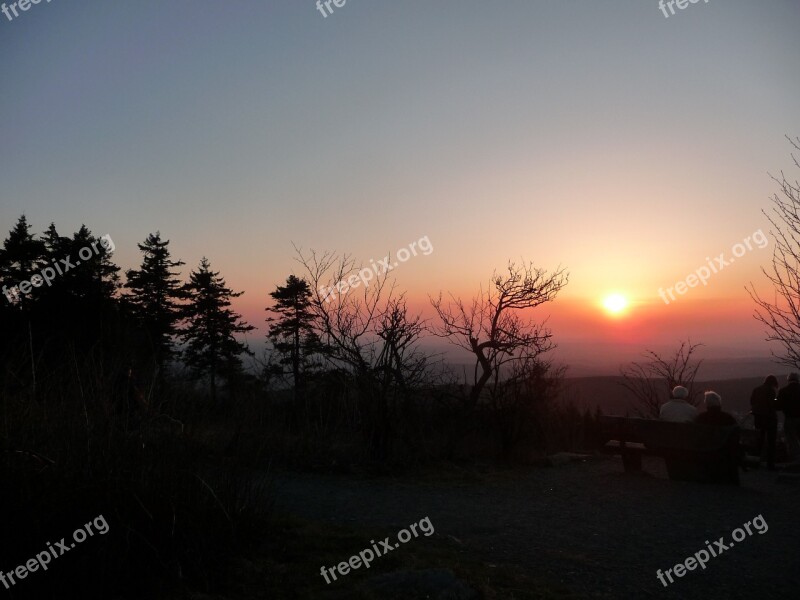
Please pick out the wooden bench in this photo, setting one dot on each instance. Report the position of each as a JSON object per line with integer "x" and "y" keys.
{"x": 692, "y": 452}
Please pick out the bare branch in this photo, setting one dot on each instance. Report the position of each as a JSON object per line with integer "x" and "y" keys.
{"x": 491, "y": 327}
{"x": 651, "y": 382}
{"x": 781, "y": 314}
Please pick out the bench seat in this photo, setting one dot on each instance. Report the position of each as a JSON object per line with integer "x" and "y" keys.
{"x": 691, "y": 451}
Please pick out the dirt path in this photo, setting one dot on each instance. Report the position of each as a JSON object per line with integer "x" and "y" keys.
{"x": 597, "y": 531}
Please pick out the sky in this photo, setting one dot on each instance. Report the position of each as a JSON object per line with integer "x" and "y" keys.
{"x": 603, "y": 137}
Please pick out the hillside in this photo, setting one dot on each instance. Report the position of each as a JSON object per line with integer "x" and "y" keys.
{"x": 612, "y": 398}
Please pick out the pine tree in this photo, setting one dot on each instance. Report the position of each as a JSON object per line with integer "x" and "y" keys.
{"x": 211, "y": 349}
{"x": 71, "y": 305}
{"x": 155, "y": 295}
{"x": 79, "y": 302}
{"x": 93, "y": 276}
{"x": 21, "y": 257}
{"x": 56, "y": 245}
{"x": 292, "y": 332}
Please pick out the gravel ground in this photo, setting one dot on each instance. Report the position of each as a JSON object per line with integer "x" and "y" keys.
{"x": 587, "y": 525}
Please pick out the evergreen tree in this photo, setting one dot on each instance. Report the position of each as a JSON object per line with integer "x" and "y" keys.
{"x": 55, "y": 245}
{"x": 292, "y": 333}
{"x": 92, "y": 277}
{"x": 78, "y": 305}
{"x": 155, "y": 295}
{"x": 21, "y": 257}
{"x": 71, "y": 305}
{"x": 211, "y": 348}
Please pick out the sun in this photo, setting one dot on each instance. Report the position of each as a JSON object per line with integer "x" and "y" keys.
{"x": 615, "y": 304}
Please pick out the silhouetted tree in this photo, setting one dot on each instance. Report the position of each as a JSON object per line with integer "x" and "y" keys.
{"x": 92, "y": 276}
{"x": 211, "y": 348}
{"x": 155, "y": 296}
{"x": 364, "y": 327}
{"x": 367, "y": 332}
{"x": 292, "y": 333}
{"x": 522, "y": 404}
{"x": 79, "y": 302}
{"x": 651, "y": 382}
{"x": 21, "y": 257}
{"x": 491, "y": 327}
{"x": 781, "y": 315}
{"x": 71, "y": 306}
{"x": 400, "y": 362}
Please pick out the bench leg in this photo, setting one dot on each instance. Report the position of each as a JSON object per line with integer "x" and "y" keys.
{"x": 632, "y": 461}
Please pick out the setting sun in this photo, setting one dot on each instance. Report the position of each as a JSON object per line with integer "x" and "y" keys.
{"x": 615, "y": 304}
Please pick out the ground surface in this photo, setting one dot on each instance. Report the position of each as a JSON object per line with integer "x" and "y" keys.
{"x": 586, "y": 526}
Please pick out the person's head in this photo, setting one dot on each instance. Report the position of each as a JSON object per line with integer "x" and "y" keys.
{"x": 712, "y": 400}
{"x": 793, "y": 377}
{"x": 680, "y": 393}
{"x": 771, "y": 381}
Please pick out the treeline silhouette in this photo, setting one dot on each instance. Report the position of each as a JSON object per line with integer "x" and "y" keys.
{"x": 128, "y": 395}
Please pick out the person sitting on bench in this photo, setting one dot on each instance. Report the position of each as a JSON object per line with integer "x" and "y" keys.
{"x": 678, "y": 409}
{"x": 714, "y": 415}
{"x": 722, "y": 468}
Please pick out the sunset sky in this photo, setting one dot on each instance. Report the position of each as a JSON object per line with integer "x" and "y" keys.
{"x": 600, "y": 136}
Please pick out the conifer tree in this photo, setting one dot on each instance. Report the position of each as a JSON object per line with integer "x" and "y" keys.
{"x": 92, "y": 276}
{"x": 21, "y": 257}
{"x": 292, "y": 333}
{"x": 211, "y": 349}
{"x": 155, "y": 295}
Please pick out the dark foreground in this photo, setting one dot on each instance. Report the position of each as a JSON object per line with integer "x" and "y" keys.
{"x": 581, "y": 530}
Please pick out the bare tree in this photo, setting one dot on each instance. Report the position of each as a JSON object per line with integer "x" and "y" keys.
{"x": 650, "y": 380}
{"x": 781, "y": 315}
{"x": 523, "y": 402}
{"x": 400, "y": 360}
{"x": 348, "y": 316}
{"x": 491, "y": 327}
{"x": 367, "y": 331}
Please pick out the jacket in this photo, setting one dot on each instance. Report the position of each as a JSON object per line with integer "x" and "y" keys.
{"x": 789, "y": 400}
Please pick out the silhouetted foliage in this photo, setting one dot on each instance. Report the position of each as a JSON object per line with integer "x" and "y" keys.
{"x": 293, "y": 334}
{"x": 155, "y": 295}
{"x": 369, "y": 335}
{"x": 87, "y": 430}
{"x": 781, "y": 315}
{"x": 652, "y": 381}
{"x": 211, "y": 349}
{"x": 22, "y": 255}
{"x": 66, "y": 303}
{"x": 491, "y": 328}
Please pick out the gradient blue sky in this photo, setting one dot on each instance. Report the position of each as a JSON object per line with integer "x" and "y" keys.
{"x": 593, "y": 134}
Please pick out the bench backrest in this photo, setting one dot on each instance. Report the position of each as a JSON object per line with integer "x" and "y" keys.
{"x": 657, "y": 434}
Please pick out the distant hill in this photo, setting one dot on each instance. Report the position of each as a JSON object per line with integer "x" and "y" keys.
{"x": 612, "y": 398}
{"x": 584, "y": 359}
{"x": 712, "y": 369}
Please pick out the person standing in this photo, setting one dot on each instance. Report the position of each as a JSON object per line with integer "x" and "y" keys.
{"x": 789, "y": 403}
{"x": 762, "y": 403}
